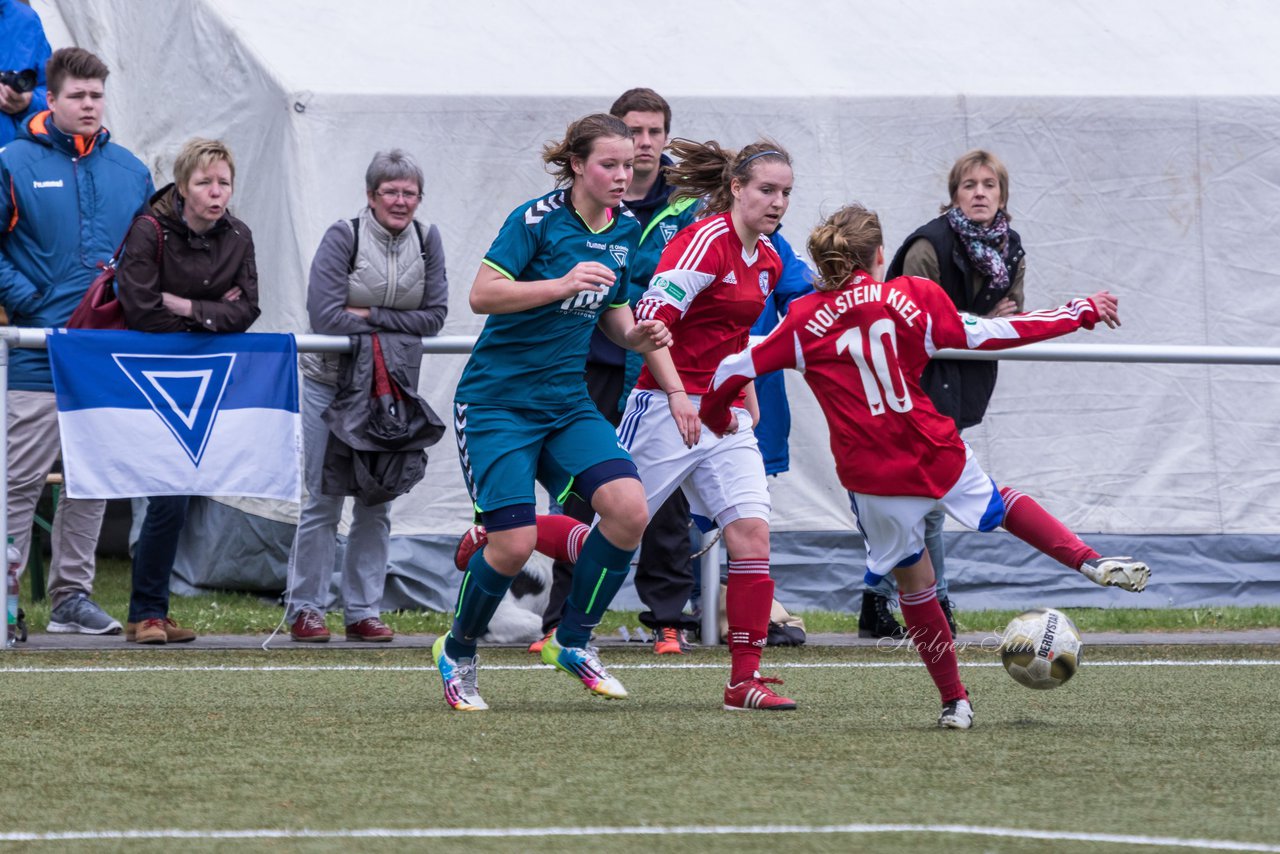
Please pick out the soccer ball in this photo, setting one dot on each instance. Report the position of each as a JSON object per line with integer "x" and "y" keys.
{"x": 1040, "y": 648}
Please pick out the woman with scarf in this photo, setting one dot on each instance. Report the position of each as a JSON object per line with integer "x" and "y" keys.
{"x": 975, "y": 256}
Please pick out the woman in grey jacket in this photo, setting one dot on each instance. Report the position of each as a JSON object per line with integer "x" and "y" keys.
{"x": 382, "y": 271}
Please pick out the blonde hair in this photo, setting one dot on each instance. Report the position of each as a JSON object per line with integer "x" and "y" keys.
{"x": 579, "y": 139}
{"x": 199, "y": 154}
{"x": 705, "y": 170}
{"x": 846, "y": 242}
{"x": 973, "y": 160}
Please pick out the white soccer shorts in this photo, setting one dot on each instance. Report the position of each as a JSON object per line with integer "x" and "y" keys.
{"x": 894, "y": 524}
{"x": 723, "y": 478}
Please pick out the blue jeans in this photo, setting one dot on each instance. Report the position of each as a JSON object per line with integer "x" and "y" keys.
{"x": 154, "y": 554}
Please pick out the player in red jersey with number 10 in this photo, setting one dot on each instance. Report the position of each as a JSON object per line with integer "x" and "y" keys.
{"x": 862, "y": 345}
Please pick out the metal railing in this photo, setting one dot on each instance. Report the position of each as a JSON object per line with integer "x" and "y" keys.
{"x": 462, "y": 344}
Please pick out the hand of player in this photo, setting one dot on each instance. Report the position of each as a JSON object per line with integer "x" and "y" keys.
{"x": 686, "y": 418}
{"x": 359, "y": 311}
{"x": 587, "y": 276}
{"x": 1108, "y": 306}
{"x": 648, "y": 335}
{"x": 232, "y": 295}
{"x": 1005, "y": 308}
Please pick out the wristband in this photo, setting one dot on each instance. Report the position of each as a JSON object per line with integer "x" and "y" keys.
{"x": 677, "y": 391}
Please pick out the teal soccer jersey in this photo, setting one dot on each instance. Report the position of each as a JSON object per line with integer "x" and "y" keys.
{"x": 536, "y": 358}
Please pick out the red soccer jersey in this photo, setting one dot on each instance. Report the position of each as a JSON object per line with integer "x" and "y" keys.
{"x": 709, "y": 293}
{"x": 862, "y": 349}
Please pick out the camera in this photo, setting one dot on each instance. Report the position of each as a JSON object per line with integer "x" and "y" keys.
{"x": 19, "y": 81}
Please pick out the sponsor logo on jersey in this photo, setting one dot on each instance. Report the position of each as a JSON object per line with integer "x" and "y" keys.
{"x": 730, "y": 278}
{"x": 585, "y": 302}
{"x": 40, "y": 185}
{"x": 674, "y": 290}
{"x": 764, "y": 282}
{"x": 619, "y": 253}
{"x": 667, "y": 230}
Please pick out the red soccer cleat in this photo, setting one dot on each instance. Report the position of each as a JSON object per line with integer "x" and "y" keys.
{"x": 471, "y": 542}
{"x": 755, "y": 693}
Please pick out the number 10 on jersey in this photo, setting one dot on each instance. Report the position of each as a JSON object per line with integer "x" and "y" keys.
{"x": 882, "y": 379}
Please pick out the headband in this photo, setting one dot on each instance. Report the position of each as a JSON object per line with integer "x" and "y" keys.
{"x": 761, "y": 154}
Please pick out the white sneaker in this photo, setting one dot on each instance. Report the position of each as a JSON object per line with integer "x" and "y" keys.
{"x": 1123, "y": 572}
{"x": 958, "y": 714}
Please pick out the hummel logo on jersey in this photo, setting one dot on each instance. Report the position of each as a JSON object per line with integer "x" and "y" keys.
{"x": 730, "y": 279}
{"x": 184, "y": 391}
{"x": 534, "y": 214}
{"x": 40, "y": 185}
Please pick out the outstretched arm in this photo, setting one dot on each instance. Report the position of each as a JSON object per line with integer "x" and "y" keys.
{"x": 775, "y": 352}
{"x": 967, "y": 332}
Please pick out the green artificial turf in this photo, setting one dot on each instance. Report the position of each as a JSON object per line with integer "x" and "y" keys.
{"x": 243, "y": 613}
{"x": 1145, "y": 749}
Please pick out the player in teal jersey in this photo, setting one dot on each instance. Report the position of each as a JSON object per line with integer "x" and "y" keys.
{"x": 557, "y": 269}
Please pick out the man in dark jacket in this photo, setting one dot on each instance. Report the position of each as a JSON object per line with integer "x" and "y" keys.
{"x": 67, "y": 196}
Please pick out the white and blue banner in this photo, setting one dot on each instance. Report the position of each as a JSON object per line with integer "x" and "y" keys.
{"x": 177, "y": 413}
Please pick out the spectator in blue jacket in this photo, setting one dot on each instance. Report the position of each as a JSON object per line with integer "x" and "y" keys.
{"x": 771, "y": 392}
{"x": 67, "y": 196}
{"x": 24, "y": 50}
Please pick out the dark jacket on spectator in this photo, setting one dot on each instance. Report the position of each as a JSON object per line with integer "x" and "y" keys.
{"x": 959, "y": 389}
{"x": 198, "y": 267}
{"x": 379, "y": 427}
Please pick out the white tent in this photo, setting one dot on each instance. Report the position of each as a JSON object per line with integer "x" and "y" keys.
{"x": 1141, "y": 139}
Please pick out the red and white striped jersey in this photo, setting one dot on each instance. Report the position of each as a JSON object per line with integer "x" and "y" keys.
{"x": 708, "y": 293}
{"x": 862, "y": 349}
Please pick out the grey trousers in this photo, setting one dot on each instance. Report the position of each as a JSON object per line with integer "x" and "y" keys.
{"x": 315, "y": 545}
{"x": 33, "y": 448}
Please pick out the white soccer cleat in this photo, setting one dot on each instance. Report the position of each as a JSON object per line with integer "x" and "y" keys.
{"x": 958, "y": 714}
{"x": 1123, "y": 572}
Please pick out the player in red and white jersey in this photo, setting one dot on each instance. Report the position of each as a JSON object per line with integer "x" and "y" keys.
{"x": 709, "y": 285}
{"x": 862, "y": 345}
{"x": 708, "y": 289}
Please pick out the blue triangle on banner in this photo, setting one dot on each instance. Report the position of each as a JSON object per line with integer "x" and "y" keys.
{"x": 185, "y": 391}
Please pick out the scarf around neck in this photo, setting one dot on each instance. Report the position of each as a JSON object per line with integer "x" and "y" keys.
{"x": 984, "y": 245}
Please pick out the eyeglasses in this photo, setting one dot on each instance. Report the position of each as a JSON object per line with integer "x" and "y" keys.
{"x": 395, "y": 195}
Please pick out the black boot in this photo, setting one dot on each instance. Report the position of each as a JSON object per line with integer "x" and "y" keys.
{"x": 946, "y": 609}
{"x": 876, "y": 620}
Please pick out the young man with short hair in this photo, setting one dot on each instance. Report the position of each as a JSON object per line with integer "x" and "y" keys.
{"x": 67, "y": 196}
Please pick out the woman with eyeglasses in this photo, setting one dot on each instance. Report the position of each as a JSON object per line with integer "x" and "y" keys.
{"x": 383, "y": 271}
